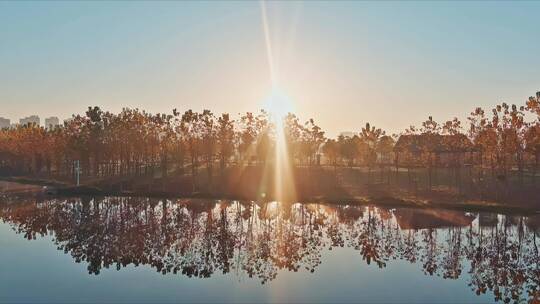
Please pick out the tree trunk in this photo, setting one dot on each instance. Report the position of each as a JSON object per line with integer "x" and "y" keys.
{"x": 430, "y": 169}
{"x": 409, "y": 175}
{"x": 164, "y": 165}
{"x": 193, "y": 177}
{"x": 209, "y": 170}
{"x": 536, "y": 161}
{"x": 397, "y": 169}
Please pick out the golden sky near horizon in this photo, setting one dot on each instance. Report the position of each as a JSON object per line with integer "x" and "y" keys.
{"x": 343, "y": 64}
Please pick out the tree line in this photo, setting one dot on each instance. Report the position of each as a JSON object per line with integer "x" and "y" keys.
{"x": 135, "y": 142}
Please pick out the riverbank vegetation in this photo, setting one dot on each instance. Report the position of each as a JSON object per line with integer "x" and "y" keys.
{"x": 494, "y": 155}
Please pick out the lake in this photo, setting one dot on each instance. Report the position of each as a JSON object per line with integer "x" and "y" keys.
{"x": 122, "y": 249}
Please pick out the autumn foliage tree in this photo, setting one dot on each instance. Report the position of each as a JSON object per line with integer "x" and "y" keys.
{"x": 134, "y": 143}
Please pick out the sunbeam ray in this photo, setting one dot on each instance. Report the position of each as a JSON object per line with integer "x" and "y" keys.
{"x": 269, "y": 53}
{"x": 278, "y": 106}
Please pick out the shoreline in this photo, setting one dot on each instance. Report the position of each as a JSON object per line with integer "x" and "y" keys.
{"x": 63, "y": 190}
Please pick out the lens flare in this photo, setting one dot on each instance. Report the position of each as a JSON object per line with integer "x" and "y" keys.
{"x": 278, "y": 105}
{"x": 284, "y": 179}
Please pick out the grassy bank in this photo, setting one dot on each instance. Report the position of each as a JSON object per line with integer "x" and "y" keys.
{"x": 311, "y": 185}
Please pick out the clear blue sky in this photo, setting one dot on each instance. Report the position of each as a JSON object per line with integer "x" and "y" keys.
{"x": 342, "y": 63}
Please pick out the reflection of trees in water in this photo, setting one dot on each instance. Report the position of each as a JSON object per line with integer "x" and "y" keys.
{"x": 199, "y": 238}
{"x": 504, "y": 258}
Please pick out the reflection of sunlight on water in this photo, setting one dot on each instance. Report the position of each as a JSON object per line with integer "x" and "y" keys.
{"x": 272, "y": 206}
{"x": 272, "y": 210}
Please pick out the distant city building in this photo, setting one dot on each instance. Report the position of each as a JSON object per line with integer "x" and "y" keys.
{"x": 51, "y": 122}
{"x": 4, "y": 123}
{"x": 348, "y": 134}
{"x": 34, "y": 119}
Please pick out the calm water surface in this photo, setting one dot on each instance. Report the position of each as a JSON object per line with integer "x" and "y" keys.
{"x": 149, "y": 250}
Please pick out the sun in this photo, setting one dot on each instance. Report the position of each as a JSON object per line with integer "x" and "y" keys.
{"x": 278, "y": 105}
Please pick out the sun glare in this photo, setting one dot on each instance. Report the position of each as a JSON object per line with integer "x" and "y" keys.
{"x": 278, "y": 105}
